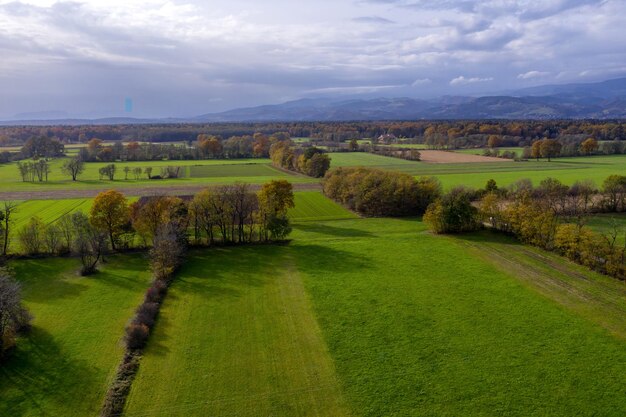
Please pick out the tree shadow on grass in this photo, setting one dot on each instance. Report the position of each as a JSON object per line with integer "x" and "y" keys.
{"x": 320, "y": 258}
{"x": 39, "y": 379}
{"x": 488, "y": 236}
{"x": 332, "y": 230}
{"x": 46, "y": 280}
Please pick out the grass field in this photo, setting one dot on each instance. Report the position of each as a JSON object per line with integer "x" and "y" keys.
{"x": 377, "y": 317}
{"x": 310, "y": 205}
{"x": 568, "y": 170}
{"x": 479, "y": 151}
{"x": 605, "y": 223}
{"x": 254, "y": 171}
{"x": 313, "y": 206}
{"x": 63, "y": 367}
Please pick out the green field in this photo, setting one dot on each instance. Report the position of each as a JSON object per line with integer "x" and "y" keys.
{"x": 568, "y": 170}
{"x": 607, "y": 223}
{"x": 376, "y": 317}
{"x": 312, "y": 205}
{"x": 479, "y": 151}
{"x": 65, "y": 364}
{"x": 254, "y": 171}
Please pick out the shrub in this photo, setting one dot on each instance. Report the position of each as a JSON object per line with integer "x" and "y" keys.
{"x": 136, "y": 336}
{"x": 453, "y": 213}
{"x": 375, "y": 192}
{"x": 156, "y": 292}
{"x": 146, "y": 313}
{"x": 278, "y": 226}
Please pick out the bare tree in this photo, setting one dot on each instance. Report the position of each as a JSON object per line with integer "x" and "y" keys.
{"x": 13, "y": 317}
{"x": 73, "y": 167}
{"x": 89, "y": 243}
{"x": 8, "y": 210}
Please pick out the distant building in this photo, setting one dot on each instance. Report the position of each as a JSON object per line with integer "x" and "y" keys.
{"x": 387, "y": 138}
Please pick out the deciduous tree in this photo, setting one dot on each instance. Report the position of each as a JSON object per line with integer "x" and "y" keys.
{"x": 110, "y": 213}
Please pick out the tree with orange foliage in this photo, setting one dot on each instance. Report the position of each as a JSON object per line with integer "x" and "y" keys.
{"x": 110, "y": 213}
{"x": 589, "y": 146}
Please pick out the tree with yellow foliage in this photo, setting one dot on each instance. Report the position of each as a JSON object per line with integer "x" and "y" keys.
{"x": 109, "y": 213}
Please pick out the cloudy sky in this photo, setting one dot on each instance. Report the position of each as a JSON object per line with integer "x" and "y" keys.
{"x": 184, "y": 58}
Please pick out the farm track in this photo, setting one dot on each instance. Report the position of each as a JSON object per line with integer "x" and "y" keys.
{"x": 129, "y": 191}
{"x": 562, "y": 282}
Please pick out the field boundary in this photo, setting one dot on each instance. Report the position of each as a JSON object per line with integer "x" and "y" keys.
{"x": 131, "y": 191}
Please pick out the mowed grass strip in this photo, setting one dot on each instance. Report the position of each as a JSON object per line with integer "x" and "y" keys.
{"x": 236, "y": 336}
{"x": 64, "y": 365}
{"x": 417, "y": 325}
{"x": 313, "y": 205}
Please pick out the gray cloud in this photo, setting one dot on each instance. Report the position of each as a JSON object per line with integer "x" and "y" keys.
{"x": 373, "y": 19}
{"x": 186, "y": 57}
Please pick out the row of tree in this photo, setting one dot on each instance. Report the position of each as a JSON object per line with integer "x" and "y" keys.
{"x": 74, "y": 167}
{"x": 551, "y": 216}
{"x": 467, "y": 132}
{"x": 374, "y": 192}
{"x": 310, "y": 161}
{"x": 231, "y": 214}
{"x": 204, "y": 147}
{"x": 35, "y": 170}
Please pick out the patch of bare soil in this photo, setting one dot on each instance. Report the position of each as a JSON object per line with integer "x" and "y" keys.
{"x": 448, "y": 157}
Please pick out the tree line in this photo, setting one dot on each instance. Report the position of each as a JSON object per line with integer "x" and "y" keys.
{"x": 374, "y": 192}
{"x": 552, "y": 216}
{"x": 475, "y": 131}
{"x": 310, "y": 161}
{"x": 205, "y": 146}
{"x": 32, "y": 171}
{"x": 231, "y": 214}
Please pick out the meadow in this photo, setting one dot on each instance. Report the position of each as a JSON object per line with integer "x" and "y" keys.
{"x": 254, "y": 171}
{"x": 568, "y": 170}
{"x": 63, "y": 367}
{"x": 608, "y": 223}
{"x": 479, "y": 151}
{"x": 357, "y": 317}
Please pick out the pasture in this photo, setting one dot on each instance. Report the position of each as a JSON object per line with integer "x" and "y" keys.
{"x": 357, "y": 317}
{"x": 362, "y": 317}
{"x": 608, "y": 223}
{"x": 568, "y": 170}
{"x": 193, "y": 173}
{"x": 64, "y": 365}
{"x": 479, "y": 151}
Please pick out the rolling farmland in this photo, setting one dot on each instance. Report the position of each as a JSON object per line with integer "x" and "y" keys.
{"x": 568, "y": 170}
{"x": 64, "y": 365}
{"x": 452, "y": 335}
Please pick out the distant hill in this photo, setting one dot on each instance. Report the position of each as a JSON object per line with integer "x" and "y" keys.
{"x": 602, "y": 100}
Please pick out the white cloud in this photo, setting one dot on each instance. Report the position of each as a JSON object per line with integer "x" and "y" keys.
{"x": 461, "y": 80}
{"x": 421, "y": 81}
{"x": 532, "y": 74}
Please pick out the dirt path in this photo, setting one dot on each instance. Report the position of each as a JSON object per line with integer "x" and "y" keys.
{"x": 599, "y": 299}
{"x": 446, "y": 157}
{"x": 129, "y": 191}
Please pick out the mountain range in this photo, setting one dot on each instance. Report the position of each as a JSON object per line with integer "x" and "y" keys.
{"x": 601, "y": 100}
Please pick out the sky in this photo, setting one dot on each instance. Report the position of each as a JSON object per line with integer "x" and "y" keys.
{"x": 150, "y": 58}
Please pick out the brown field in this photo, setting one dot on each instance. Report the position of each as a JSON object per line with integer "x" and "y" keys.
{"x": 445, "y": 157}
